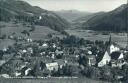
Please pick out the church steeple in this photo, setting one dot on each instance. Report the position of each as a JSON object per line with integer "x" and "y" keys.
{"x": 110, "y": 39}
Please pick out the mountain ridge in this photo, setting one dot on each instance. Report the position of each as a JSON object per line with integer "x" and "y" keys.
{"x": 18, "y": 9}
{"x": 71, "y": 15}
{"x": 109, "y": 21}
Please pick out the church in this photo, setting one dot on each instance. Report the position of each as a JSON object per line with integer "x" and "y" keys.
{"x": 112, "y": 55}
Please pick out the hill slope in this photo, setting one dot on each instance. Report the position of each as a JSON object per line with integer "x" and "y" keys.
{"x": 110, "y": 21}
{"x": 79, "y": 22}
{"x": 71, "y": 15}
{"x": 20, "y": 10}
{"x": 86, "y": 18}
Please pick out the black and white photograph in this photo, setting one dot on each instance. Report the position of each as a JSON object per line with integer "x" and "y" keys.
{"x": 63, "y": 41}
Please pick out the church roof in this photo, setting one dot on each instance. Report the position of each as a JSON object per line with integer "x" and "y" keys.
{"x": 100, "y": 56}
{"x": 115, "y": 55}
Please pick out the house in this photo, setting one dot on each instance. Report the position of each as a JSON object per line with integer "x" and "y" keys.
{"x": 14, "y": 64}
{"x": 89, "y": 52}
{"x": 5, "y": 49}
{"x": 91, "y": 60}
{"x": 29, "y": 40}
{"x": 117, "y": 55}
{"x": 59, "y": 52}
{"x": 52, "y": 66}
{"x": 30, "y": 50}
{"x": 117, "y": 59}
{"x": 53, "y": 56}
{"x": 17, "y": 74}
{"x": 44, "y": 44}
{"x": 4, "y": 75}
{"x": 7, "y": 56}
{"x": 27, "y": 71}
{"x": 105, "y": 60}
{"x": 114, "y": 48}
{"x": 24, "y": 51}
{"x": 117, "y": 63}
{"x": 40, "y": 17}
{"x": 2, "y": 62}
{"x": 61, "y": 63}
{"x": 54, "y": 46}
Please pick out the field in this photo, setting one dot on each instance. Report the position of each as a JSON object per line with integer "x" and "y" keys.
{"x": 119, "y": 38}
{"x": 40, "y": 31}
{"x": 51, "y": 80}
{"x": 9, "y": 28}
{"x": 5, "y": 43}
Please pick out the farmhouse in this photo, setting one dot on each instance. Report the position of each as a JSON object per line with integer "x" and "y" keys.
{"x": 91, "y": 60}
{"x": 52, "y": 66}
{"x": 27, "y": 71}
{"x": 117, "y": 59}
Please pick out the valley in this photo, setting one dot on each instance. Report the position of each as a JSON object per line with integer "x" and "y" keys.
{"x": 38, "y": 45}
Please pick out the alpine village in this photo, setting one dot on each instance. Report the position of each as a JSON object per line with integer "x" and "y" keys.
{"x": 59, "y": 53}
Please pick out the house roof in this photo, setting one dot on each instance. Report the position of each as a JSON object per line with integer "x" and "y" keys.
{"x": 91, "y": 56}
{"x": 115, "y": 55}
{"x": 100, "y": 56}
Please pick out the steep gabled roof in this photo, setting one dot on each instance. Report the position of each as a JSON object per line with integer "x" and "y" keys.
{"x": 106, "y": 53}
{"x": 116, "y": 55}
{"x": 100, "y": 56}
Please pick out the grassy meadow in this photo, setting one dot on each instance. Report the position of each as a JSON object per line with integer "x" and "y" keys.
{"x": 51, "y": 80}
{"x": 10, "y": 28}
{"x": 120, "y": 38}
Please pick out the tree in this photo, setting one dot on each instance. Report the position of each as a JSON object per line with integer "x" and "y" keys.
{"x": 42, "y": 65}
{"x": 25, "y": 32}
{"x": 1, "y": 54}
{"x": 32, "y": 27}
{"x": 94, "y": 50}
{"x": 3, "y": 36}
{"x": 82, "y": 41}
{"x": 91, "y": 72}
{"x": 106, "y": 73}
{"x": 49, "y": 35}
{"x": 67, "y": 70}
{"x": 83, "y": 60}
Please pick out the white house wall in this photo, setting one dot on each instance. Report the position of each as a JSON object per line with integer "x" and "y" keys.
{"x": 106, "y": 58}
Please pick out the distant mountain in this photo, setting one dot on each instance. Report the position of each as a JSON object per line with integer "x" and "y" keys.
{"x": 20, "y": 10}
{"x": 71, "y": 15}
{"x": 78, "y": 22}
{"x": 111, "y": 21}
{"x": 87, "y": 17}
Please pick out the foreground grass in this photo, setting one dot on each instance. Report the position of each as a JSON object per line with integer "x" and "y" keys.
{"x": 51, "y": 80}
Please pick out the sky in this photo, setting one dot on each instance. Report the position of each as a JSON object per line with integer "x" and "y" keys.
{"x": 81, "y": 5}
